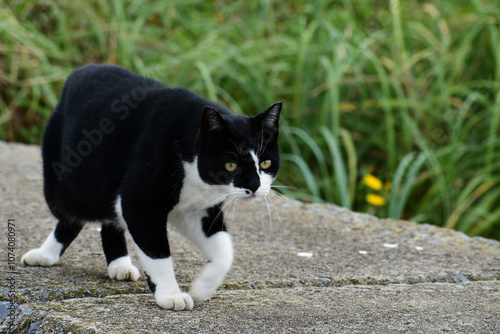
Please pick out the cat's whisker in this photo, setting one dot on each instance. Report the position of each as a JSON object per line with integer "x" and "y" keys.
{"x": 215, "y": 218}
{"x": 228, "y": 202}
{"x": 286, "y": 200}
{"x": 281, "y": 197}
{"x": 219, "y": 199}
{"x": 225, "y": 205}
{"x": 270, "y": 217}
{"x": 275, "y": 209}
{"x": 210, "y": 202}
{"x": 234, "y": 209}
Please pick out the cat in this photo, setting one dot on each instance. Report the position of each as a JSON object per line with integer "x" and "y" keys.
{"x": 132, "y": 154}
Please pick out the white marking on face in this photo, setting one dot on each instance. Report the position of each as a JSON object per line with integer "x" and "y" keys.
{"x": 255, "y": 160}
{"x": 265, "y": 184}
{"x": 265, "y": 178}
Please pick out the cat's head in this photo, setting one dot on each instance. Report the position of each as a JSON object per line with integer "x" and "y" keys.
{"x": 240, "y": 152}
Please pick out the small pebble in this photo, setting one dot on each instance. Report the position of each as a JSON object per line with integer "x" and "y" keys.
{"x": 304, "y": 254}
{"x": 390, "y": 245}
{"x": 363, "y": 252}
{"x": 419, "y": 248}
{"x": 462, "y": 278}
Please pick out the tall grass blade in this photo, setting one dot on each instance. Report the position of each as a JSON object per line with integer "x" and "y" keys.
{"x": 319, "y": 159}
{"x": 341, "y": 177}
{"x": 408, "y": 185}
{"x": 352, "y": 163}
{"x": 483, "y": 188}
{"x": 394, "y": 198}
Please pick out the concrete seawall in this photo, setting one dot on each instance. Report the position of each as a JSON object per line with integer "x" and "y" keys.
{"x": 299, "y": 268}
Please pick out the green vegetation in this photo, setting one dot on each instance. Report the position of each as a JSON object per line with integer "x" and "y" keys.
{"x": 407, "y": 91}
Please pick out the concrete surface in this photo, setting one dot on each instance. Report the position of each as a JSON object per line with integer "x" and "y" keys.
{"x": 365, "y": 275}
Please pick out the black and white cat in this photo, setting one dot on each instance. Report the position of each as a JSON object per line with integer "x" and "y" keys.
{"x": 132, "y": 154}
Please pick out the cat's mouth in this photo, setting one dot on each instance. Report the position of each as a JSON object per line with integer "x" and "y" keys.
{"x": 249, "y": 197}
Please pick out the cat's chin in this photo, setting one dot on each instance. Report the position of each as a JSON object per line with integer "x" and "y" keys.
{"x": 252, "y": 198}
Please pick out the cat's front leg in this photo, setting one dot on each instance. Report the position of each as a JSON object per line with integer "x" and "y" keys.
{"x": 218, "y": 250}
{"x": 208, "y": 234}
{"x": 149, "y": 232}
{"x": 162, "y": 282}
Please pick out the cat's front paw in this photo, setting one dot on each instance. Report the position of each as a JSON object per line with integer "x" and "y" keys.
{"x": 200, "y": 292}
{"x": 178, "y": 302}
{"x": 122, "y": 269}
{"x": 39, "y": 257}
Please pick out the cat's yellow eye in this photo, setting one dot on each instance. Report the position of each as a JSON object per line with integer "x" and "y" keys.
{"x": 265, "y": 164}
{"x": 231, "y": 166}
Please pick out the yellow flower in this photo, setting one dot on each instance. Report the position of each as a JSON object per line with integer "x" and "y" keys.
{"x": 376, "y": 200}
{"x": 372, "y": 182}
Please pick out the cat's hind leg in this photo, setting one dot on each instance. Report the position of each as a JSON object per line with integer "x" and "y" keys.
{"x": 120, "y": 265}
{"x": 54, "y": 246}
{"x": 66, "y": 230}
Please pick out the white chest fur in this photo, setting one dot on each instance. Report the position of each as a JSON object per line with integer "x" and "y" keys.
{"x": 197, "y": 194}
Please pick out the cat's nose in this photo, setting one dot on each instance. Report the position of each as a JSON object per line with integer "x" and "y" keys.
{"x": 250, "y": 194}
{"x": 251, "y": 182}
{"x": 252, "y": 187}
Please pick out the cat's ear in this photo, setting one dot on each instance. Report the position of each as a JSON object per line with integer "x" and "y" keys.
{"x": 212, "y": 121}
{"x": 271, "y": 117}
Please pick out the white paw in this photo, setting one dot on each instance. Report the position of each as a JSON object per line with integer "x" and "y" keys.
{"x": 39, "y": 257}
{"x": 200, "y": 291}
{"x": 122, "y": 269}
{"x": 178, "y": 302}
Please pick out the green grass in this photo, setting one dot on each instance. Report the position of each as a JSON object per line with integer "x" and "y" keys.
{"x": 404, "y": 90}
